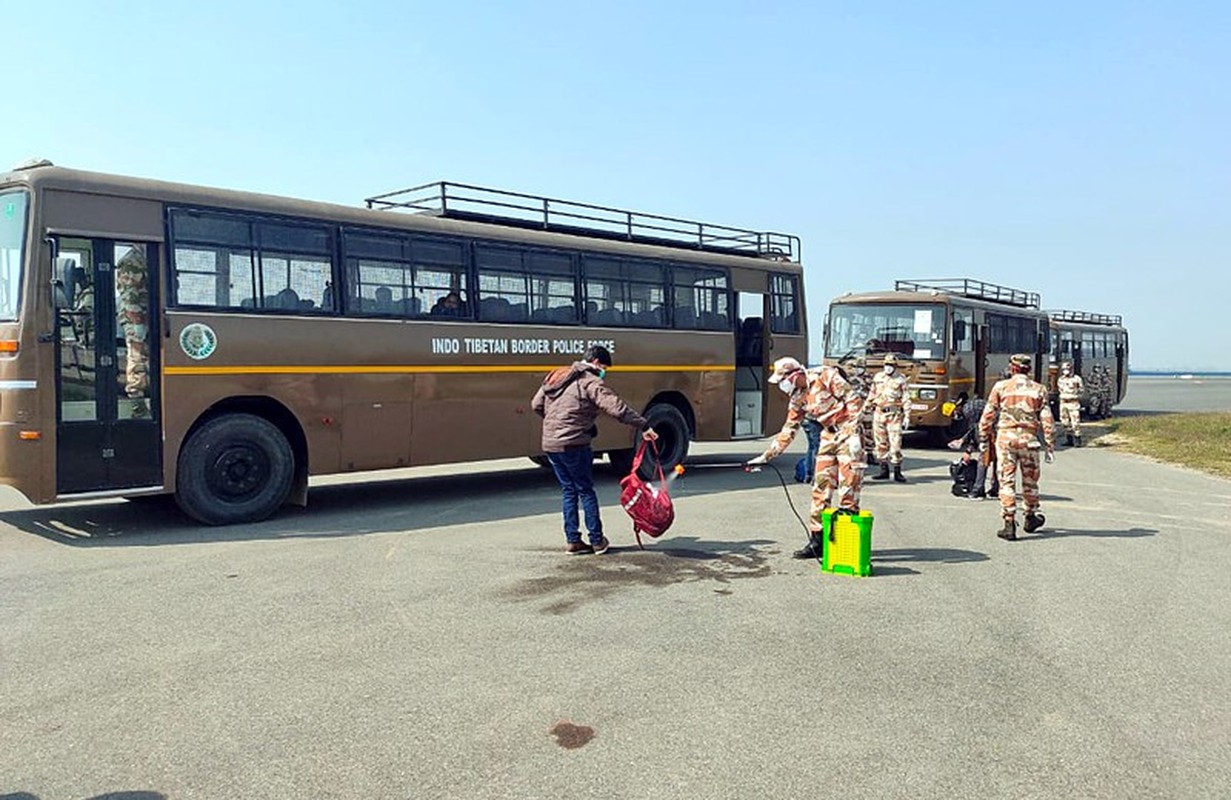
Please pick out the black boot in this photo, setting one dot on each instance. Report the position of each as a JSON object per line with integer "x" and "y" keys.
{"x": 1034, "y": 521}
{"x": 1068, "y": 440}
{"x": 897, "y": 474}
{"x": 1078, "y": 440}
{"x": 813, "y": 549}
{"x": 883, "y": 475}
{"x": 1009, "y": 531}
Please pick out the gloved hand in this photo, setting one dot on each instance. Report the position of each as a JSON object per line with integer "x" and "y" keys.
{"x": 853, "y": 446}
{"x": 759, "y": 461}
{"x": 1049, "y": 456}
{"x": 905, "y": 426}
{"x": 649, "y": 435}
{"x": 983, "y": 446}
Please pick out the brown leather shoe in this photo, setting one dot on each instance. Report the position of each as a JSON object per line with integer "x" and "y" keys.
{"x": 578, "y": 549}
{"x": 600, "y": 546}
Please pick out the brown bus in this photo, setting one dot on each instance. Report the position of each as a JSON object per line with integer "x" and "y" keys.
{"x": 954, "y": 334}
{"x": 224, "y": 346}
{"x": 1097, "y": 347}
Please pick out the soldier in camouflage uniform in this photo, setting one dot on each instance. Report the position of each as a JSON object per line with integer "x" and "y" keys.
{"x": 822, "y": 394}
{"x": 890, "y": 396}
{"x": 132, "y": 297}
{"x": 1022, "y": 404}
{"x": 1104, "y": 389}
{"x": 1070, "y": 387}
{"x": 861, "y": 384}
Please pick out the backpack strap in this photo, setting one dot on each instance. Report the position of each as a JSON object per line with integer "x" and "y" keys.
{"x": 640, "y": 454}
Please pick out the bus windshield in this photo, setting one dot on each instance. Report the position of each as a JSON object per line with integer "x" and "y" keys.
{"x": 12, "y": 250}
{"x": 909, "y": 329}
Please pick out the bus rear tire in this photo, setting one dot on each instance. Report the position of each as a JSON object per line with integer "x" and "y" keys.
{"x": 234, "y": 468}
{"x": 672, "y": 444}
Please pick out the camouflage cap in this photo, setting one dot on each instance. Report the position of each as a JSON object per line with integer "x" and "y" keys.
{"x": 891, "y": 359}
{"x": 1020, "y": 360}
{"x": 1067, "y": 365}
{"x": 784, "y": 367}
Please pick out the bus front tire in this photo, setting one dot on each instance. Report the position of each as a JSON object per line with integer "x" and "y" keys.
{"x": 234, "y": 468}
{"x": 671, "y": 447}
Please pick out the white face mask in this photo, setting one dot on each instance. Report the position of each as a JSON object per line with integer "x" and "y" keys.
{"x": 889, "y": 368}
{"x": 787, "y": 386}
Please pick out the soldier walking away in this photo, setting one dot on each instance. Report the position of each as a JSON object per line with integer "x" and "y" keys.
{"x": 569, "y": 402}
{"x": 822, "y": 394}
{"x": 1022, "y": 405}
{"x": 1070, "y": 387}
{"x": 890, "y": 396}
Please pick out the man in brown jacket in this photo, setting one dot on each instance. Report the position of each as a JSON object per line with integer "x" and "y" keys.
{"x": 569, "y": 402}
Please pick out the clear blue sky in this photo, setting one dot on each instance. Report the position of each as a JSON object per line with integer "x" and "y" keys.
{"x": 1080, "y": 150}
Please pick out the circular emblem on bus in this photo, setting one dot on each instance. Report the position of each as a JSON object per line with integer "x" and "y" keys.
{"x": 198, "y": 340}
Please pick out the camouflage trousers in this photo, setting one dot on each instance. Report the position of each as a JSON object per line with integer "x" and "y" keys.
{"x": 137, "y": 375}
{"x": 839, "y": 466}
{"x": 887, "y": 433}
{"x": 1070, "y": 416}
{"x": 1015, "y": 454}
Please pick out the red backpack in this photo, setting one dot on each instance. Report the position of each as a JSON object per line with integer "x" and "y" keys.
{"x": 649, "y": 508}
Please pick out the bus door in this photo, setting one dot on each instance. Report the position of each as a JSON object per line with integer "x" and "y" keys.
{"x": 982, "y": 386}
{"x": 1120, "y": 382}
{"x": 108, "y": 432}
{"x": 751, "y": 365}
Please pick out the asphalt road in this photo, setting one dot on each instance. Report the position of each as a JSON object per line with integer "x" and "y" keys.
{"x": 423, "y": 635}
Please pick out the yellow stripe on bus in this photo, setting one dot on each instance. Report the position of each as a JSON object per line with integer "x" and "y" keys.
{"x": 439, "y": 368}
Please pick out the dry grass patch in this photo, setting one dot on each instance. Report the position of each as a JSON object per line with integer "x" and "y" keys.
{"x": 1201, "y": 441}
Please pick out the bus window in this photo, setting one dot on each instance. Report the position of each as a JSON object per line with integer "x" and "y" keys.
{"x": 12, "y": 242}
{"x": 392, "y": 275}
{"x": 784, "y": 317}
{"x": 517, "y": 285}
{"x": 916, "y": 330}
{"x": 622, "y": 292}
{"x": 701, "y": 299}
{"x": 963, "y": 330}
{"x": 223, "y": 261}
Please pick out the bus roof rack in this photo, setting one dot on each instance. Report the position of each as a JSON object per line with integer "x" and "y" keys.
{"x": 968, "y": 287}
{"x": 1061, "y": 315}
{"x": 498, "y": 207}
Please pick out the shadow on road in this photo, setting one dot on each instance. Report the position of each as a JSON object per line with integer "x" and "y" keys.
{"x": 353, "y": 509}
{"x": 580, "y": 580}
{"x": 935, "y": 555}
{"x": 1059, "y": 533}
{"x": 891, "y": 562}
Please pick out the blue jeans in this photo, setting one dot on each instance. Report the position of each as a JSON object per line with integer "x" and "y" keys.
{"x": 812, "y": 430}
{"x": 573, "y": 471}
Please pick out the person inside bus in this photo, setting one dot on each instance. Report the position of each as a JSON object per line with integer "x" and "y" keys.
{"x": 448, "y": 306}
{"x": 384, "y": 300}
{"x": 569, "y": 401}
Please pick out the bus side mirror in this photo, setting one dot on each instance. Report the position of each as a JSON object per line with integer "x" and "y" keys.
{"x": 959, "y": 330}
{"x": 62, "y": 285}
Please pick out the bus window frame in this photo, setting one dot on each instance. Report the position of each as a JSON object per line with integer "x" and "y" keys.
{"x": 256, "y": 253}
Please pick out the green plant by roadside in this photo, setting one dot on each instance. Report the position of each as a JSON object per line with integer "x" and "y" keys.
{"x": 1201, "y": 441}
